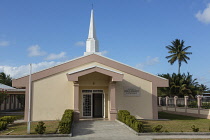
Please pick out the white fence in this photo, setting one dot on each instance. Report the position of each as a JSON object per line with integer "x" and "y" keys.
{"x": 182, "y": 106}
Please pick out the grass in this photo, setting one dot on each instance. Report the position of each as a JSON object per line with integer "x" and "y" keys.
{"x": 177, "y": 123}
{"x": 21, "y": 128}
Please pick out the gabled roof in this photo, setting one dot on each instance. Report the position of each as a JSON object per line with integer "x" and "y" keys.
{"x": 74, "y": 76}
{"x": 158, "y": 81}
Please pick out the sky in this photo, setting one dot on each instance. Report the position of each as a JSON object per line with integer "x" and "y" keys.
{"x": 134, "y": 32}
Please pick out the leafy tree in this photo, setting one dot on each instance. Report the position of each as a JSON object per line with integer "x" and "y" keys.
{"x": 203, "y": 88}
{"x": 5, "y": 79}
{"x": 178, "y": 53}
{"x": 3, "y": 95}
{"x": 179, "y": 85}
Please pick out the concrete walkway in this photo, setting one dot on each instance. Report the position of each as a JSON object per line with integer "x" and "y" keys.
{"x": 101, "y": 129}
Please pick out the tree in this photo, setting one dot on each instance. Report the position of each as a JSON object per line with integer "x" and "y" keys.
{"x": 178, "y": 53}
{"x": 3, "y": 95}
{"x": 5, "y": 79}
{"x": 179, "y": 85}
{"x": 203, "y": 88}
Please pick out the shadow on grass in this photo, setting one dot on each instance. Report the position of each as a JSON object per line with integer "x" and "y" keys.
{"x": 164, "y": 115}
{"x": 147, "y": 126}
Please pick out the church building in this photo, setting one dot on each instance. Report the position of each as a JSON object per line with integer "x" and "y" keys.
{"x": 93, "y": 85}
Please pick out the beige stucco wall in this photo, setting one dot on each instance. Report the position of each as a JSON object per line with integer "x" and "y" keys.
{"x": 52, "y": 95}
{"x": 139, "y": 106}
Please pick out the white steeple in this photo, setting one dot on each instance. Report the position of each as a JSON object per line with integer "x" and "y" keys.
{"x": 92, "y": 42}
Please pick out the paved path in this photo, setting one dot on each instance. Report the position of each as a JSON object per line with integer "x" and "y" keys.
{"x": 98, "y": 129}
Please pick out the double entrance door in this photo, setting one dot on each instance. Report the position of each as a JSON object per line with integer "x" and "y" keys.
{"x": 93, "y": 103}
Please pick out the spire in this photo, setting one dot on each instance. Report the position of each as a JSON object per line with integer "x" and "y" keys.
{"x": 92, "y": 42}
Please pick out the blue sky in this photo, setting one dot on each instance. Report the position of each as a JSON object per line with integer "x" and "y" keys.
{"x": 134, "y": 32}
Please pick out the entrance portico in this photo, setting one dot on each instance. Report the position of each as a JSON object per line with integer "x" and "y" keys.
{"x": 95, "y": 78}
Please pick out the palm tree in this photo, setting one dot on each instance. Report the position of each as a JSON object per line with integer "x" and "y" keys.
{"x": 5, "y": 79}
{"x": 178, "y": 53}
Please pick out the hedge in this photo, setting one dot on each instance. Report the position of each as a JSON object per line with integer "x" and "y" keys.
{"x": 8, "y": 119}
{"x": 3, "y": 125}
{"x": 122, "y": 115}
{"x": 125, "y": 117}
{"x": 66, "y": 122}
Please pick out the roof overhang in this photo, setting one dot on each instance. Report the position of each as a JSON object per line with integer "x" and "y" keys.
{"x": 74, "y": 76}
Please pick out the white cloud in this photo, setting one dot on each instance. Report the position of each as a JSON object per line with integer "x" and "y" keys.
{"x": 56, "y": 56}
{"x": 205, "y": 15}
{"x": 35, "y": 51}
{"x": 104, "y": 52}
{"x": 149, "y": 62}
{"x": 16, "y": 72}
{"x": 4, "y": 43}
{"x": 80, "y": 43}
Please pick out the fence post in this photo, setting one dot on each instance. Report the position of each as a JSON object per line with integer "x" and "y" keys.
{"x": 185, "y": 103}
{"x": 199, "y": 103}
{"x": 167, "y": 102}
{"x": 159, "y": 100}
{"x": 175, "y": 101}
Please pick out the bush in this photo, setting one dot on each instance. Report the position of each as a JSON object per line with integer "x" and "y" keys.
{"x": 138, "y": 126}
{"x": 157, "y": 128}
{"x": 194, "y": 128}
{"x": 193, "y": 104}
{"x": 8, "y": 119}
{"x": 130, "y": 120}
{"x": 122, "y": 115}
{"x": 125, "y": 117}
{"x": 40, "y": 128}
{"x": 3, "y": 125}
{"x": 206, "y": 105}
{"x": 66, "y": 122}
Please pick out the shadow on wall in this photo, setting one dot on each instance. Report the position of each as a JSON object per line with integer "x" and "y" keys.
{"x": 138, "y": 107}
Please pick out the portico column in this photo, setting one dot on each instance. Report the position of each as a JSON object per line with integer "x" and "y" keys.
{"x": 113, "y": 111}
{"x": 76, "y": 101}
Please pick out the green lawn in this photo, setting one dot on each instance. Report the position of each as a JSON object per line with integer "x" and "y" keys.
{"x": 21, "y": 128}
{"x": 177, "y": 123}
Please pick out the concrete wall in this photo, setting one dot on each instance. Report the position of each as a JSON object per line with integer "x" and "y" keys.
{"x": 53, "y": 94}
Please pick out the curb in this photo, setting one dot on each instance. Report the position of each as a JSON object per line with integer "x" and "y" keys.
{"x": 133, "y": 131}
{"x": 164, "y": 133}
{"x": 36, "y": 136}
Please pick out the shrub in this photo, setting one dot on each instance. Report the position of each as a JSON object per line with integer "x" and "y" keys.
{"x": 3, "y": 125}
{"x": 125, "y": 117}
{"x": 130, "y": 120}
{"x": 40, "y": 128}
{"x": 138, "y": 126}
{"x": 122, "y": 115}
{"x": 66, "y": 122}
{"x": 157, "y": 128}
{"x": 193, "y": 104}
{"x": 194, "y": 128}
{"x": 206, "y": 105}
{"x": 8, "y": 119}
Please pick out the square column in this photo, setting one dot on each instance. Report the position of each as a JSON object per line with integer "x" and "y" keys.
{"x": 76, "y": 101}
{"x": 113, "y": 110}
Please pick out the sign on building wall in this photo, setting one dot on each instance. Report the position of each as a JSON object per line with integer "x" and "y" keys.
{"x": 131, "y": 91}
